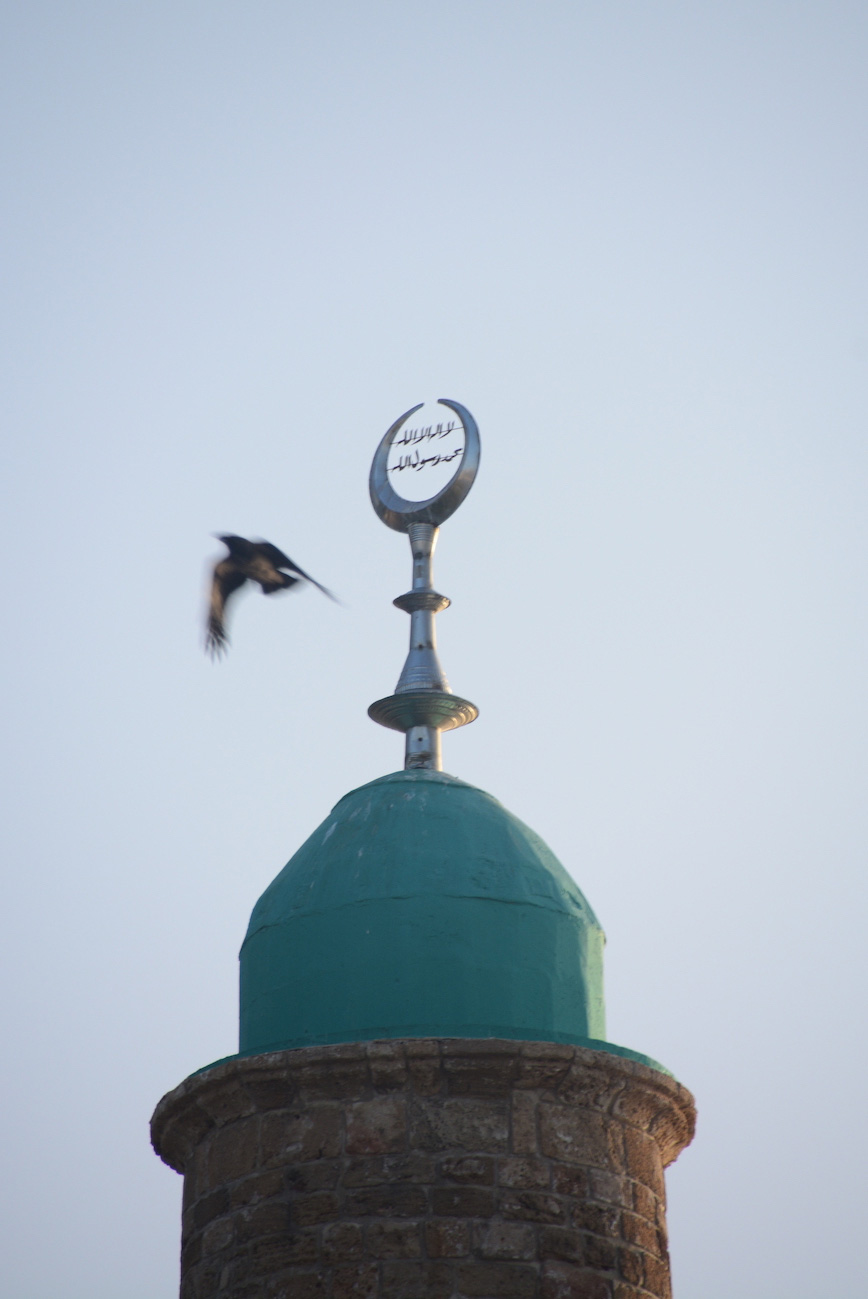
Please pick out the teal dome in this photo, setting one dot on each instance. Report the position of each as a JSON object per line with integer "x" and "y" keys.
{"x": 421, "y": 908}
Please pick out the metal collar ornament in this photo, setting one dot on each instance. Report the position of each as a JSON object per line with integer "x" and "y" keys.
{"x": 423, "y": 704}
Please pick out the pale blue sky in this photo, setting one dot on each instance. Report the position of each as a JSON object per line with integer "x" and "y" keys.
{"x": 238, "y": 241}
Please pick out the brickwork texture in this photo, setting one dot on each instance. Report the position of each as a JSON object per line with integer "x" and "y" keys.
{"x": 425, "y": 1169}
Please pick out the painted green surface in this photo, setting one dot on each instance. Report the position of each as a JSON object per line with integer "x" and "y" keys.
{"x": 421, "y": 908}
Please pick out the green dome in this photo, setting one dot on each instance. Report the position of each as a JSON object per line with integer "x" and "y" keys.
{"x": 421, "y": 908}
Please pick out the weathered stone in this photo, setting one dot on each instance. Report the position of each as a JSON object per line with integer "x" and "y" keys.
{"x": 447, "y": 1237}
{"x": 321, "y": 1206}
{"x": 355, "y": 1282}
{"x": 341, "y": 1241}
{"x": 532, "y": 1206}
{"x": 524, "y": 1173}
{"x": 578, "y": 1136}
{"x": 636, "y": 1231}
{"x": 234, "y": 1152}
{"x": 643, "y": 1160}
{"x": 470, "y": 1124}
{"x": 377, "y": 1126}
{"x": 294, "y": 1285}
{"x": 394, "y": 1240}
{"x": 560, "y": 1281}
{"x": 523, "y": 1124}
{"x": 610, "y": 1187}
{"x": 462, "y": 1201}
{"x": 503, "y": 1280}
{"x": 269, "y": 1219}
{"x": 630, "y": 1264}
{"x": 386, "y": 1202}
{"x": 321, "y": 1175}
{"x": 467, "y": 1170}
{"x": 417, "y": 1280}
{"x": 294, "y": 1136}
{"x": 257, "y": 1187}
{"x": 425, "y": 1186}
{"x": 602, "y": 1219}
{"x": 505, "y": 1240}
{"x": 210, "y": 1206}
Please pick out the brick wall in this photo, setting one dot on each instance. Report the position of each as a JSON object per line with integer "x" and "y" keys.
{"x": 425, "y": 1169}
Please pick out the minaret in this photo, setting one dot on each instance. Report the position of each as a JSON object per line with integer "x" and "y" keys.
{"x": 424, "y": 1102}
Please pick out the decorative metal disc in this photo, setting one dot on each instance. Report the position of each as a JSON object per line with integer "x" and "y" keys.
{"x": 396, "y": 510}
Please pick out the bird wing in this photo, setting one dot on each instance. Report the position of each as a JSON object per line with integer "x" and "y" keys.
{"x": 279, "y": 560}
{"x": 226, "y": 579}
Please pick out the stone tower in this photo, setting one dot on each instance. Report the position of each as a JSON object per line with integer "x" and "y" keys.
{"x": 424, "y": 1105}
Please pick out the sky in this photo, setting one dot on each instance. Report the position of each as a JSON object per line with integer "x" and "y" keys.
{"x": 238, "y": 241}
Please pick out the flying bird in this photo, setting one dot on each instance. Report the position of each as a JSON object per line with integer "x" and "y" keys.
{"x": 253, "y": 561}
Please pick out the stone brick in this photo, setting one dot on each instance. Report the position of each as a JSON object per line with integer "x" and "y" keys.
{"x": 468, "y": 1171}
{"x": 467, "y": 1124}
{"x": 233, "y": 1152}
{"x": 630, "y": 1265}
{"x": 425, "y": 1076}
{"x": 355, "y": 1282}
{"x": 543, "y": 1065}
{"x": 657, "y": 1278}
{"x": 505, "y": 1240}
{"x": 524, "y": 1173}
{"x": 364, "y": 1172}
{"x": 498, "y": 1280}
{"x": 590, "y": 1087}
{"x": 191, "y": 1251}
{"x": 377, "y": 1126}
{"x": 569, "y": 1180}
{"x": 480, "y": 1075}
{"x": 560, "y": 1281}
{"x": 643, "y": 1160}
{"x": 598, "y": 1252}
{"x": 272, "y": 1255}
{"x": 644, "y": 1202}
{"x": 412, "y": 1167}
{"x": 341, "y": 1241}
{"x": 269, "y": 1219}
{"x": 601, "y": 1219}
{"x": 388, "y": 1066}
{"x": 394, "y": 1240}
{"x": 321, "y": 1175}
{"x": 259, "y": 1186}
{"x": 417, "y": 1280}
{"x": 210, "y": 1206}
{"x": 225, "y": 1102}
{"x": 610, "y": 1187}
{"x": 447, "y": 1238}
{"x": 462, "y": 1202}
{"x": 577, "y": 1136}
{"x": 295, "y": 1285}
{"x": 334, "y": 1079}
{"x": 386, "y": 1202}
{"x": 293, "y": 1136}
{"x": 275, "y": 1093}
{"x": 532, "y": 1206}
{"x": 561, "y": 1242}
{"x": 321, "y": 1206}
{"x": 523, "y": 1124}
{"x": 636, "y": 1231}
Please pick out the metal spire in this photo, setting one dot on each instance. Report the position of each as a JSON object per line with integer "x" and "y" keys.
{"x": 423, "y": 704}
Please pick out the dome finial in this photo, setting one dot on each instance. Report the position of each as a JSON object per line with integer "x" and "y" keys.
{"x": 423, "y": 704}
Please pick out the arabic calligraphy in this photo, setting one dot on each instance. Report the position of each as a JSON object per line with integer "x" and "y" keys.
{"x": 414, "y": 461}
{"x": 413, "y": 436}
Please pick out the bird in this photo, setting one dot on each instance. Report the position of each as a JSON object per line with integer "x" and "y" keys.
{"x": 254, "y": 561}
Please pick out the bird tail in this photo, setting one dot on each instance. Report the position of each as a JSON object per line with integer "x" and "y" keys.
{"x": 307, "y": 577}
